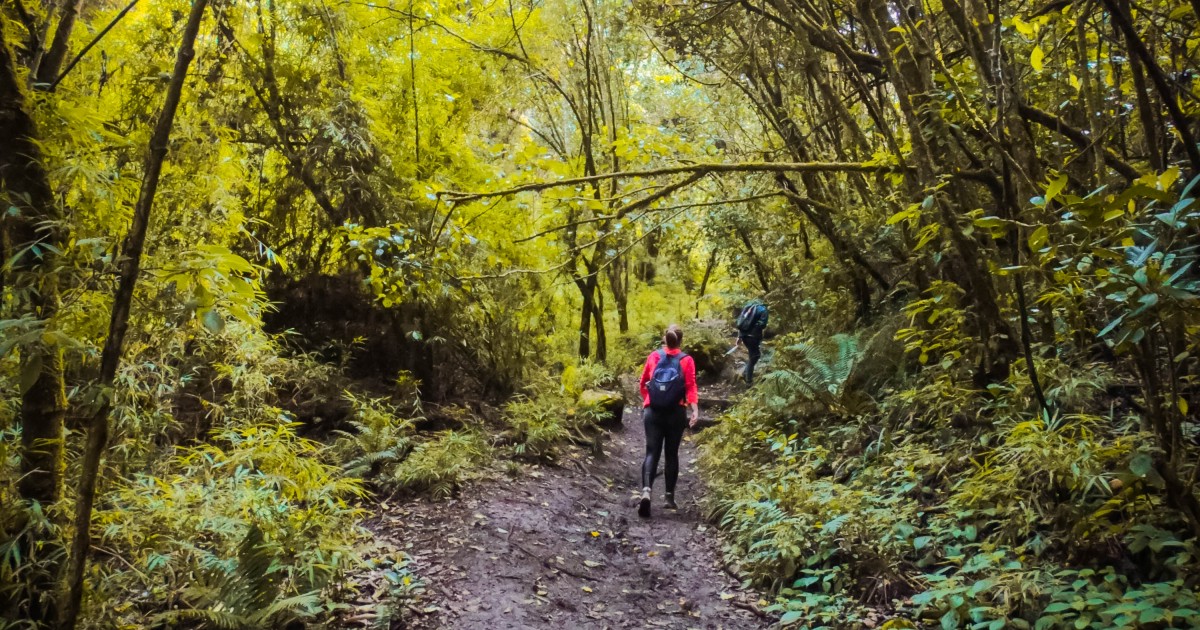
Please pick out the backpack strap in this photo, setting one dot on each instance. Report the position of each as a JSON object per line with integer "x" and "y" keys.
{"x": 677, "y": 358}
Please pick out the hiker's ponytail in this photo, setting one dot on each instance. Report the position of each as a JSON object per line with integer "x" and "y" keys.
{"x": 673, "y": 337}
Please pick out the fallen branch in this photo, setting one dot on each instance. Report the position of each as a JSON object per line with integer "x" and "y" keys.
{"x": 553, "y": 566}
{"x": 737, "y": 603}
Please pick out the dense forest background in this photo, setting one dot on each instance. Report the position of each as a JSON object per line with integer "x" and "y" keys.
{"x": 267, "y": 263}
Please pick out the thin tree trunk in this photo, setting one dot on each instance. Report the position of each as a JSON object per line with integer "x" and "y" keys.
{"x": 708, "y": 269}
{"x": 618, "y": 281}
{"x": 912, "y": 81}
{"x": 110, "y": 357}
{"x": 1091, "y": 100}
{"x": 760, "y": 270}
{"x": 47, "y": 70}
{"x": 32, "y": 238}
{"x": 95, "y": 40}
{"x": 598, "y": 320}
{"x": 1120, "y": 16}
{"x": 585, "y": 318}
{"x": 36, "y": 42}
{"x": 1148, "y": 116}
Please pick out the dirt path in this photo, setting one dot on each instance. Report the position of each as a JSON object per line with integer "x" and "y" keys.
{"x": 563, "y": 547}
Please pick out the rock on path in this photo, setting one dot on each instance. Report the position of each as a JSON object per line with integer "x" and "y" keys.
{"x": 563, "y": 547}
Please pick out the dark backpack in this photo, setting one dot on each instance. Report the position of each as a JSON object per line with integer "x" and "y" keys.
{"x": 666, "y": 386}
{"x": 748, "y": 319}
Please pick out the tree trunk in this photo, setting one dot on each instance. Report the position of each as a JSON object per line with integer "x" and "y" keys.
{"x": 911, "y": 76}
{"x": 1148, "y": 115}
{"x": 51, "y": 63}
{"x": 618, "y": 282}
{"x": 708, "y": 269}
{"x": 110, "y": 358}
{"x": 585, "y": 317}
{"x": 598, "y": 320}
{"x": 32, "y": 238}
{"x": 760, "y": 270}
{"x": 1119, "y": 11}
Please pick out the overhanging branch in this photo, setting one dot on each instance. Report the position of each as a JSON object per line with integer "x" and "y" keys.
{"x": 696, "y": 169}
{"x": 1055, "y": 123}
{"x": 609, "y": 217}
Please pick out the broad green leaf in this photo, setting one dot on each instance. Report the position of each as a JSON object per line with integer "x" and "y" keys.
{"x": 1038, "y": 237}
{"x": 212, "y": 321}
{"x": 791, "y": 617}
{"x": 1141, "y": 464}
{"x": 1056, "y": 186}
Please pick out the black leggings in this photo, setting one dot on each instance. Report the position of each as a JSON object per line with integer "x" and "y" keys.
{"x": 753, "y": 345}
{"x": 664, "y": 430}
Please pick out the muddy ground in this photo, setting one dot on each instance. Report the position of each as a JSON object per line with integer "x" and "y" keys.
{"x": 563, "y": 547}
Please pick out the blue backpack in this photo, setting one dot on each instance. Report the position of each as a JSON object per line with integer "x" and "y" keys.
{"x": 667, "y": 386}
{"x": 751, "y": 318}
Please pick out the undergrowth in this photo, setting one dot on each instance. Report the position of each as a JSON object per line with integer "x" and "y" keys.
{"x": 247, "y": 530}
{"x": 859, "y": 490}
{"x": 552, "y": 412}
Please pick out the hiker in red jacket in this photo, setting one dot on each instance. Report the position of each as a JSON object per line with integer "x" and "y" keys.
{"x": 668, "y": 387}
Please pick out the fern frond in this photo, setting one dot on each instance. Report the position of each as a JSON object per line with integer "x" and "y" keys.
{"x": 294, "y": 606}
{"x": 220, "y": 619}
{"x": 253, "y": 587}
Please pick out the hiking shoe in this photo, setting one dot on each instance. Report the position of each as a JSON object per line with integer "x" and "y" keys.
{"x": 670, "y": 502}
{"x": 644, "y": 504}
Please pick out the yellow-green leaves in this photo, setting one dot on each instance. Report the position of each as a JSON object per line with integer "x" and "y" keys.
{"x": 1036, "y": 58}
{"x": 1037, "y": 238}
{"x": 1029, "y": 31}
{"x": 1056, "y": 186}
{"x": 910, "y": 214}
{"x": 1026, "y": 29}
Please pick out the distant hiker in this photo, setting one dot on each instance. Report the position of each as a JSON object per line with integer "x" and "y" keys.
{"x": 668, "y": 387}
{"x": 751, "y": 323}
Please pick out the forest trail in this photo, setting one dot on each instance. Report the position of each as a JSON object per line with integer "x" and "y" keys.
{"x": 564, "y": 548}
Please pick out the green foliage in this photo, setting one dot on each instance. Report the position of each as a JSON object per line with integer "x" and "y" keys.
{"x": 816, "y": 371}
{"x": 538, "y": 424}
{"x": 845, "y": 513}
{"x": 246, "y": 598}
{"x": 553, "y": 413}
{"x": 401, "y": 590}
{"x": 261, "y": 522}
{"x": 579, "y": 378}
{"x": 1106, "y": 600}
{"x": 378, "y": 438}
{"x": 440, "y": 465}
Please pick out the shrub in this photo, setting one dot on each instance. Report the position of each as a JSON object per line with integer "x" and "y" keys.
{"x": 378, "y": 438}
{"x": 439, "y": 465}
{"x": 942, "y": 506}
{"x": 200, "y": 535}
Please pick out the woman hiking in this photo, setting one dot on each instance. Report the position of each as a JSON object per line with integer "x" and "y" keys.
{"x": 668, "y": 387}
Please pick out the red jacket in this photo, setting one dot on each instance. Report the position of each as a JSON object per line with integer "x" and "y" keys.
{"x": 689, "y": 377}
